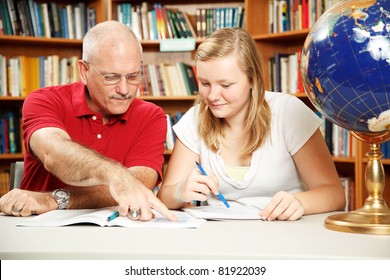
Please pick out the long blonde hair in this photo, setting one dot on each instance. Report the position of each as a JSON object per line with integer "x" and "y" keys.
{"x": 222, "y": 43}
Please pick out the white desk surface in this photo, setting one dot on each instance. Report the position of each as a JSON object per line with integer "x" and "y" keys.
{"x": 306, "y": 238}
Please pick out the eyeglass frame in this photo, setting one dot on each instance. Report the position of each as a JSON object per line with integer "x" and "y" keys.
{"x": 119, "y": 76}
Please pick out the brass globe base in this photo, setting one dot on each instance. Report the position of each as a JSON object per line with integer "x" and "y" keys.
{"x": 361, "y": 221}
{"x": 374, "y": 216}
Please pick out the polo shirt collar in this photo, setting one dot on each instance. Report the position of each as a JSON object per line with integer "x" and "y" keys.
{"x": 80, "y": 105}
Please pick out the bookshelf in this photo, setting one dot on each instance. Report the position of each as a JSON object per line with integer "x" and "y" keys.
{"x": 257, "y": 17}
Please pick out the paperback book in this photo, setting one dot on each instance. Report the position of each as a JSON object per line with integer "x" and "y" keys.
{"x": 58, "y": 218}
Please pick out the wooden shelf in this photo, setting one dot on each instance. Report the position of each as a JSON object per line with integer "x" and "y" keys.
{"x": 146, "y": 43}
{"x": 12, "y": 157}
{"x": 344, "y": 159}
{"x": 301, "y": 95}
{"x": 10, "y": 39}
{"x": 288, "y": 35}
{"x": 168, "y": 98}
{"x": 12, "y": 98}
{"x": 172, "y": 104}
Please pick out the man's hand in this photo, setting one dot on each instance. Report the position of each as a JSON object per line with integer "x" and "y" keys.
{"x": 22, "y": 203}
{"x": 133, "y": 195}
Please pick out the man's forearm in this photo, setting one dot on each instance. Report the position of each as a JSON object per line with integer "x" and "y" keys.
{"x": 79, "y": 166}
{"x": 71, "y": 162}
{"x": 146, "y": 175}
{"x": 99, "y": 196}
{"x": 90, "y": 197}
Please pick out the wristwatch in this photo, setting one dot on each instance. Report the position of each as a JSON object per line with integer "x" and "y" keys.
{"x": 62, "y": 197}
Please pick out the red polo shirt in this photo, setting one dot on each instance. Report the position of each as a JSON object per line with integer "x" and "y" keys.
{"x": 135, "y": 138}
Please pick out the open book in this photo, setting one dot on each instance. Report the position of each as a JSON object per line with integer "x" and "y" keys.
{"x": 58, "y": 218}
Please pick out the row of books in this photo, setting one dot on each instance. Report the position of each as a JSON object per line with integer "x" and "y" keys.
{"x": 286, "y": 15}
{"x": 23, "y": 74}
{"x": 284, "y": 73}
{"x": 209, "y": 20}
{"x": 168, "y": 80}
{"x": 152, "y": 22}
{"x": 49, "y": 20}
{"x": 9, "y": 132}
{"x": 172, "y": 119}
{"x": 342, "y": 144}
{"x": 155, "y": 22}
{"x": 339, "y": 141}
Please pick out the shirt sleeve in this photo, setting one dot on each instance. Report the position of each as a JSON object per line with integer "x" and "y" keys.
{"x": 299, "y": 123}
{"x": 41, "y": 109}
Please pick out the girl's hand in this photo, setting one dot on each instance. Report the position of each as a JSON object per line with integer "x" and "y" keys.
{"x": 197, "y": 186}
{"x": 283, "y": 206}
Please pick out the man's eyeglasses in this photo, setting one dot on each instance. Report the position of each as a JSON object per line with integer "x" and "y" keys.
{"x": 112, "y": 79}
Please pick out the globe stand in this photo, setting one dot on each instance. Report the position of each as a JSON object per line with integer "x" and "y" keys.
{"x": 374, "y": 216}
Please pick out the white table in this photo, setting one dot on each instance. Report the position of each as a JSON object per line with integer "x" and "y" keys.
{"x": 303, "y": 239}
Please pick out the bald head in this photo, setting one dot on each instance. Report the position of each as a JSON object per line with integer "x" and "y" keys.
{"x": 109, "y": 37}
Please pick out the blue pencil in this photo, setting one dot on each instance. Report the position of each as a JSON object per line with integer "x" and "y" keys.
{"x": 219, "y": 195}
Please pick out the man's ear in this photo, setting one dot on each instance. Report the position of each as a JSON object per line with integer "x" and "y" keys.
{"x": 83, "y": 69}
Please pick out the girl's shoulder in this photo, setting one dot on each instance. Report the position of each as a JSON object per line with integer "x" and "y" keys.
{"x": 280, "y": 100}
{"x": 272, "y": 96}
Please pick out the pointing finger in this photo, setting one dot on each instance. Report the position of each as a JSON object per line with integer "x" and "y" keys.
{"x": 161, "y": 208}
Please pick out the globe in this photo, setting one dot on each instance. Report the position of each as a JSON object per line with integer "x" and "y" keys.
{"x": 345, "y": 65}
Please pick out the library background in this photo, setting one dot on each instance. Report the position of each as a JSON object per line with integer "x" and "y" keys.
{"x": 40, "y": 43}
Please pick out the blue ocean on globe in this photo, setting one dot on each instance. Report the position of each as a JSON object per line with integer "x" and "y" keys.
{"x": 345, "y": 65}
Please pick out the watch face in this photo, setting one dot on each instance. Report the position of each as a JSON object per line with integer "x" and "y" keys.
{"x": 62, "y": 197}
{"x": 62, "y": 194}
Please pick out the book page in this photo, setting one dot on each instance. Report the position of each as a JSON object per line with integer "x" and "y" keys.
{"x": 257, "y": 201}
{"x": 57, "y": 218}
{"x": 247, "y": 208}
{"x": 235, "y": 212}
